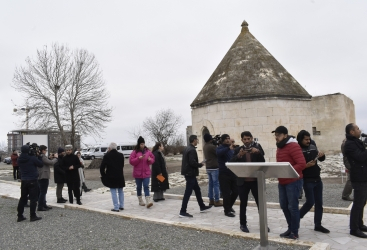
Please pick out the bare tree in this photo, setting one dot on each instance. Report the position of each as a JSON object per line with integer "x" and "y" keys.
{"x": 163, "y": 127}
{"x": 64, "y": 90}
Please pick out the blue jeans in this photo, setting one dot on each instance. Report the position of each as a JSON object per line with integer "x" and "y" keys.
{"x": 313, "y": 193}
{"x": 288, "y": 199}
{"x": 213, "y": 184}
{"x": 142, "y": 181}
{"x": 43, "y": 186}
{"x": 117, "y": 202}
{"x": 191, "y": 184}
{"x": 300, "y": 187}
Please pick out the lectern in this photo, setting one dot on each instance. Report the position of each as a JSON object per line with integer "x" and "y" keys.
{"x": 262, "y": 170}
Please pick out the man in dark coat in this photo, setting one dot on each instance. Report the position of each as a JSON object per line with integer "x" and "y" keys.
{"x": 312, "y": 183}
{"x": 249, "y": 152}
{"x": 70, "y": 164}
{"x": 227, "y": 179}
{"x": 357, "y": 158}
{"x": 28, "y": 166}
{"x": 190, "y": 169}
{"x": 159, "y": 168}
{"x": 112, "y": 172}
{"x": 59, "y": 176}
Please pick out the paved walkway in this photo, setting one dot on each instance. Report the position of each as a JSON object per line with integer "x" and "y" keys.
{"x": 166, "y": 212}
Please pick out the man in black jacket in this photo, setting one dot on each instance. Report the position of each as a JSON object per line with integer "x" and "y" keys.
{"x": 59, "y": 176}
{"x": 227, "y": 179}
{"x": 70, "y": 164}
{"x": 190, "y": 169}
{"x": 357, "y": 158}
{"x": 312, "y": 183}
{"x": 249, "y": 152}
{"x": 28, "y": 165}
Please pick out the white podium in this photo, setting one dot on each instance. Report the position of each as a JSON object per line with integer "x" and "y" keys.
{"x": 262, "y": 170}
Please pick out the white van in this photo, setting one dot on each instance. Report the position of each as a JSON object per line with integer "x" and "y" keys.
{"x": 96, "y": 152}
{"x": 126, "y": 148}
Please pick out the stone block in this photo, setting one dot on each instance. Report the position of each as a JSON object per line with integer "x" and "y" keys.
{"x": 258, "y": 120}
{"x": 264, "y": 111}
{"x": 278, "y": 120}
{"x": 251, "y": 112}
{"x": 230, "y": 114}
{"x": 241, "y": 122}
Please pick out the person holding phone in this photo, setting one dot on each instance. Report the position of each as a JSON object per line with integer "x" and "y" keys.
{"x": 140, "y": 159}
{"x": 312, "y": 183}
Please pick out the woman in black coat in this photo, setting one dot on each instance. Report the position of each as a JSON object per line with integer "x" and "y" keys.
{"x": 159, "y": 168}
{"x": 112, "y": 172}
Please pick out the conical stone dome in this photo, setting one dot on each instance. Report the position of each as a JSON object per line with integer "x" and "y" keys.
{"x": 248, "y": 71}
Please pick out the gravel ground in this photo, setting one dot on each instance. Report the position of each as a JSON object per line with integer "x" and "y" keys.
{"x": 332, "y": 194}
{"x": 73, "y": 229}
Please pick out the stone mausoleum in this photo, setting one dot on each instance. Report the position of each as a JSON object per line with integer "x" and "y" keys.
{"x": 250, "y": 90}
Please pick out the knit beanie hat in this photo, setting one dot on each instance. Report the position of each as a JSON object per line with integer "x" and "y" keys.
{"x": 223, "y": 137}
{"x": 141, "y": 140}
{"x": 207, "y": 137}
{"x": 60, "y": 150}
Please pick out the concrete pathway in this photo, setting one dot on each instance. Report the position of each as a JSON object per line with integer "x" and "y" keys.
{"x": 167, "y": 211}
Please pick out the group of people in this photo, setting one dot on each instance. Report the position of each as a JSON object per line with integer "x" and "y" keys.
{"x": 112, "y": 173}
{"x": 34, "y": 172}
{"x": 300, "y": 151}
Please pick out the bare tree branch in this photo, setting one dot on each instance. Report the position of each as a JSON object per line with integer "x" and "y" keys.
{"x": 64, "y": 90}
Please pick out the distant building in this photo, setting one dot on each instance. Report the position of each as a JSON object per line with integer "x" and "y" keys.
{"x": 52, "y": 139}
{"x": 250, "y": 90}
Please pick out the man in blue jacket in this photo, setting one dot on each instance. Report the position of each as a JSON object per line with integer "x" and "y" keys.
{"x": 28, "y": 165}
{"x": 227, "y": 179}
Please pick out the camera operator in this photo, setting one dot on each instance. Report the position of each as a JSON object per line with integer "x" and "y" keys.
{"x": 227, "y": 179}
{"x": 28, "y": 164}
{"x": 357, "y": 158}
{"x": 249, "y": 152}
{"x": 44, "y": 178}
{"x": 212, "y": 170}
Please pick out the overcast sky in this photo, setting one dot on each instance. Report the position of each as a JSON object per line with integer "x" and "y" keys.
{"x": 159, "y": 54}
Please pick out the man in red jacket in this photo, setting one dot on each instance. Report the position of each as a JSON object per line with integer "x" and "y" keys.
{"x": 289, "y": 151}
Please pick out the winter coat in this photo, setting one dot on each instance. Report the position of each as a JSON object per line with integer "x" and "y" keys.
{"x": 254, "y": 157}
{"x": 291, "y": 152}
{"x": 190, "y": 162}
{"x": 357, "y": 158}
{"x": 59, "y": 172}
{"x": 159, "y": 167}
{"x": 72, "y": 175}
{"x": 345, "y": 159}
{"x": 28, "y": 165}
{"x": 14, "y": 158}
{"x": 141, "y": 166}
{"x": 210, "y": 155}
{"x": 224, "y": 154}
{"x": 112, "y": 169}
{"x": 44, "y": 172}
{"x": 311, "y": 173}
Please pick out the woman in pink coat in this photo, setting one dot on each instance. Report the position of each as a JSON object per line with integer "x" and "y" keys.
{"x": 140, "y": 159}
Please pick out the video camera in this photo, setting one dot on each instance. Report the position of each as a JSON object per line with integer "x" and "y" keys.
{"x": 365, "y": 139}
{"x": 33, "y": 149}
{"x": 216, "y": 140}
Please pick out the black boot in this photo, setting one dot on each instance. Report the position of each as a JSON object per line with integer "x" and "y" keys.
{"x": 78, "y": 202}
{"x": 61, "y": 200}
{"x": 35, "y": 217}
{"x": 85, "y": 187}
